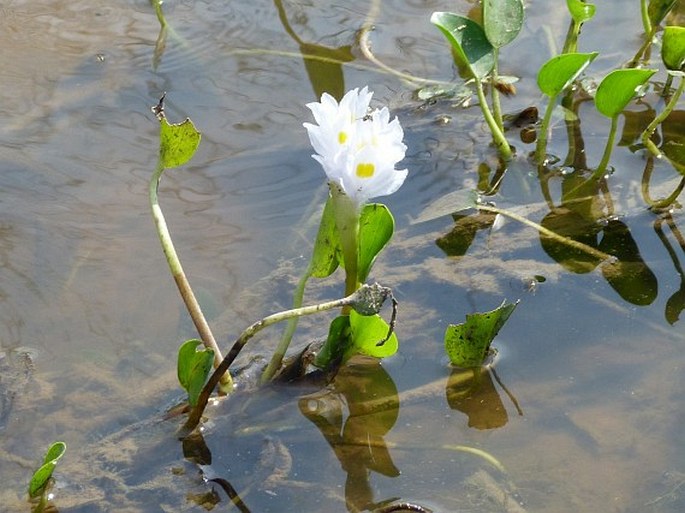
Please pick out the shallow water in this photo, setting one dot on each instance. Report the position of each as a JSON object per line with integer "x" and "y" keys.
{"x": 585, "y": 410}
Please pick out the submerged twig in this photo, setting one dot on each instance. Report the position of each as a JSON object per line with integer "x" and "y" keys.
{"x": 549, "y": 233}
{"x": 367, "y": 300}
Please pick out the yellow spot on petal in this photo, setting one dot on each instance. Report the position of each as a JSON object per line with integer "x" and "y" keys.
{"x": 342, "y": 137}
{"x": 365, "y": 170}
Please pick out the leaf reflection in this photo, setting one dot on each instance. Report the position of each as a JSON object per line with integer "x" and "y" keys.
{"x": 369, "y": 395}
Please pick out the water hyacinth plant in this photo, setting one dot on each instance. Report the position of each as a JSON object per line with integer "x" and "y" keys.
{"x": 358, "y": 149}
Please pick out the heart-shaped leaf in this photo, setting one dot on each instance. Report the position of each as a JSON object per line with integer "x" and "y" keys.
{"x": 502, "y": 20}
{"x": 559, "y": 72}
{"x": 468, "y": 40}
{"x": 618, "y": 88}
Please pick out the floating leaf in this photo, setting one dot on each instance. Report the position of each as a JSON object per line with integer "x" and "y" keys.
{"x": 178, "y": 142}
{"x": 502, "y": 20}
{"x": 468, "y": 40}
{"x": 467, "y": 344}
{"x": 366, "y": 332}
{"x": 327, "y": 252}
{"x": 193, "y": 368}
{"x": 658, "y": 9}
{"x": 618, "y": 88}
{"x": 559, "y": 72}
{"x": 41, "y": 476}
{"x": 450, "y": 203}
{"x": 580, "y": 11}
{"x": 673, "y": 48}
{"x": 376, "y": 226}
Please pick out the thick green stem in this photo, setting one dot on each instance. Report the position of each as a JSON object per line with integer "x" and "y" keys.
{"x": 541, "y": 146}
{"x": 497, "y": 134}
{"x": 644, "y": 12}
{"x": 496, "y": 105}
{"x": 180, "y": 278}
{"x": 346, "y": 214}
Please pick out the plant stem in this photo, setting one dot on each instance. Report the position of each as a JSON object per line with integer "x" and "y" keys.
{"x": 360, "y": 296}
{"x": 602, "y": 168}
{"x": 180, "y": 278}
{"x": 346, "y": 214}
{"x": 549, "y": 233}
{"x": 649, "y": 131}
{"x": 497, "y": 134}
{"x": 279, "y": 353}
{"x": 496, "y": 106}
{"x": 646, "y": 22}
{"x": 541, "y": 145}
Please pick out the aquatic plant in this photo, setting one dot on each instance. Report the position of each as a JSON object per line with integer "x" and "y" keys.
{"x": 41, "y": 480}
{"x": 476, "y": 51}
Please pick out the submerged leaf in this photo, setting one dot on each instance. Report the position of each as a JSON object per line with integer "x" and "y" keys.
{"x": 618, "y": 88}
{"x": 502, "y": 21}
{"x": 467, "y": 344}
{"x": 178, "y": 142}
{"x": 468, "y": 41}
{"x": 41, "y": 476}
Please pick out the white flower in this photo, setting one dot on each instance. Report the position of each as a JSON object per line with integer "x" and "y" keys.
{"x": 357, "y": 149}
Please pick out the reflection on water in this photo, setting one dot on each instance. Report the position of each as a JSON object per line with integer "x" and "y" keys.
{"x": 592, "y": 358}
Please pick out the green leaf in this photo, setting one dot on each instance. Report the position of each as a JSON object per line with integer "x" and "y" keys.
{"x": 366, "y": 332}
{"x": 193, "y": 368}
{"x": 559, "y": 72}
{"x": 178, "y": 142}
{"x": 376, "y": 226}
{"x": 580, "y": 11}
{"x": 502, "y": 20}
{"x": 336, "y": 344}
{"x": 41, "y": 476}
{"x": 327, "y": 252}
{"x": 468, "y": 41}
{"x": 467, "y": 344}
{"x": 658, "y": 9}
{"x": 618, "y": 88}
{"x": 673, "y": 48}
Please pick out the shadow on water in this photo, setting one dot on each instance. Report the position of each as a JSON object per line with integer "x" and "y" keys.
{"x": 582, "y": 408}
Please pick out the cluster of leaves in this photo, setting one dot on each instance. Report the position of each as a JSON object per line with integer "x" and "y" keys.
{"x": 476, "y": 50}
